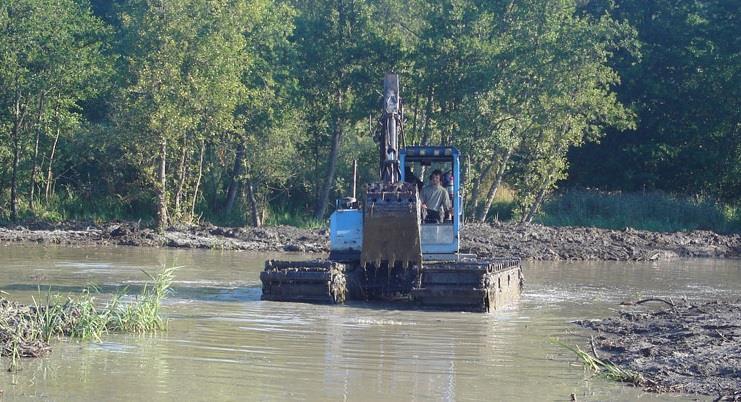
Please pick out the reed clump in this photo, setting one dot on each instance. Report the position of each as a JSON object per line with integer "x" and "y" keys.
{"x": 605, "y": 368}
{"x": 27, "y": 330}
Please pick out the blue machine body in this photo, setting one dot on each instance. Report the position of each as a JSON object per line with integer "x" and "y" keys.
{"x": 437, "y": 239}
{"x": 346, "y": 230}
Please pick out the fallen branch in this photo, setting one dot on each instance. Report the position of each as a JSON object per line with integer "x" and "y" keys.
{"x": 650, "y": 299}
{"x": 594, "y": 350}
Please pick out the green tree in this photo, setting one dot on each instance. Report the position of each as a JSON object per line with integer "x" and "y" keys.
{"x": 687, "y": 94}
{"x": 497, "y": 76}
{"x": 265, "y": 152}
{"x": 52, "y": 58}
{"x": 184, "y": 64}
{"x": 342, "y": 56}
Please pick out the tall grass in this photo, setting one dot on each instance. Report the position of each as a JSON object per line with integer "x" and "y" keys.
{"x": 275, "y": 215}
{"x": 143, "y": 315}
{"x": 66, "y": 206}
{"x": 26, "y": 330}
{"x": 653, "y": 211}
{"x": 293, "y": 217}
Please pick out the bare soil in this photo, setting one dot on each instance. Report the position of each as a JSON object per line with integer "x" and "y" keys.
{"x": 684, "y": 347}
{"x": 534, "y": 242}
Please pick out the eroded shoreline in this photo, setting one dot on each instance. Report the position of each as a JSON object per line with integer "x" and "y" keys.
{"x": 533, "y": 242}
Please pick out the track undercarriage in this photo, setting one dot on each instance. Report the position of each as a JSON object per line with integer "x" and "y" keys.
{"x": 470, "y": 284}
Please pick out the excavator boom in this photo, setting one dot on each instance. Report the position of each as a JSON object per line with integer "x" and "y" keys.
{"x": 391, "y": 220}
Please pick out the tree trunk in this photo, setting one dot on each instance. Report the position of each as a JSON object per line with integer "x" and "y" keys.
{"x": 321, "y": 207}
{"x": 14, "y": 176}
{"x": 256, "y": 221}
{"x": 428, "y": 117}
{"x": 231, "y": 195}
{"x": 19, "y": 115}
{"x": 475, "y": 191}
{"x": 414, "y": 116}
{"x": 198, "y": 179}
{"x": 528, "y": 218}
{"x": 35, "y": 160}
{"x": 182, "y": 171}
{"x": 49, "y": 176}
{"x": 495, "y": 186}
{"x": 34, "y": 167}
{"x": 162, "y": 187}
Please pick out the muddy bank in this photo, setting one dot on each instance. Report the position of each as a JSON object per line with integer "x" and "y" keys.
{"x": 578, "y": 243}
{"x": 528, "y": 242}
{"x": 684, "y": 347}
{"x": 278, "y": 238}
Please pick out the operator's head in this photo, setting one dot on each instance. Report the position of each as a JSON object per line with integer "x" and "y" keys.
{"x": 435, "y": 176}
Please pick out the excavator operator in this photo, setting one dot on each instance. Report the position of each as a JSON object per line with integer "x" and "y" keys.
{"x": 436, "y": 203}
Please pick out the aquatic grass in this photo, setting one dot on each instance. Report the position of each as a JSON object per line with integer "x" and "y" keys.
{"x": 26, "y": 330}
{"x": 49, "y": 316}
{"x": 142, "y": 315}
{"x": 85, "y": 321}
{"x": 604, "y": 368}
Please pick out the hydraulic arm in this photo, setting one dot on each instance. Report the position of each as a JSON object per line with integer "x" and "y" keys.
{"x": 391, "y": 222}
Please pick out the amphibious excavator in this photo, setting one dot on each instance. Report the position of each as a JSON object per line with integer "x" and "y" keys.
{"x": 384, "y": 249}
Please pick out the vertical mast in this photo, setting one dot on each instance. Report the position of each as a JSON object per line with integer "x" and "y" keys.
{"x": 391, "y": 123}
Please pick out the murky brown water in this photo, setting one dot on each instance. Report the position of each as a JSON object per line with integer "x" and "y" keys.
{"x": 224, "y": 343}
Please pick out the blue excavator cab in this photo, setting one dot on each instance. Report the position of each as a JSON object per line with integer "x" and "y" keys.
{"x": 439, "y": 241}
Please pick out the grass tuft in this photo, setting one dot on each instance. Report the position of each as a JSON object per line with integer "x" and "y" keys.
{"x": 143, "y": 315}
{"x": 26, "y": 330}
{"x": 604, "y": 368}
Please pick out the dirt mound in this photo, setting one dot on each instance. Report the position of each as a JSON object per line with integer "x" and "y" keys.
{"x": 691, "y": 348}
{"x": 535, "y": 242}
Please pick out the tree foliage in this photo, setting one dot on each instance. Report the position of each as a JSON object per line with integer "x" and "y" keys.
{"x": 231, "y": 110}
{"x": 51, "y": 59}
{"x": 687, "y": 95}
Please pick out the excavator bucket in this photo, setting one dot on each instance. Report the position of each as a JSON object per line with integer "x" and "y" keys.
{"x": 391, "y": 225}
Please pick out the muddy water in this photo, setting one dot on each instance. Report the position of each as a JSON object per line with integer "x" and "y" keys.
{"x": 224, "y": 343}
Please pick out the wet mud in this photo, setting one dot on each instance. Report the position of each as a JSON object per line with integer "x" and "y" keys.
{"x": 278, "y": 238}
{"x": 539, "y": 242}
{"x": 676, "y": 346}
{"x": 535, "y": 242}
